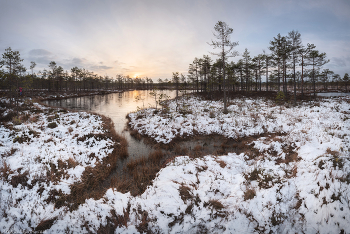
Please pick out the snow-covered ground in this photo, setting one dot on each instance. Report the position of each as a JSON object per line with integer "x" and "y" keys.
{"x": 44, "y": 153}
{"x": 293, "y": 183}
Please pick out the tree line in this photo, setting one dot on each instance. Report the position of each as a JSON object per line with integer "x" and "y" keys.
{"x": 288, "y": 65}
{"x": 13, "y": 75}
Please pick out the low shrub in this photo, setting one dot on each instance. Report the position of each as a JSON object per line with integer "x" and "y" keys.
{"x": 185, "y": 192}
{"x": 249, "y": 194}
{"x": 52, "y": 125}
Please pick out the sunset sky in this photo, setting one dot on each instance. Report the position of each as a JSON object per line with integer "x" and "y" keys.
{"x": 155, "y": 38}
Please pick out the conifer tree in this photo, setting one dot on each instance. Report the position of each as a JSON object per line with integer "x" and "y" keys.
{"x": 295, "y": 42}
{"x": 346, "y": 80}
{"x": 12, "y": 62}
{"x": 222, "y": 34}
{"x": 316, "y": 60}
{"x": 304, "y": 52}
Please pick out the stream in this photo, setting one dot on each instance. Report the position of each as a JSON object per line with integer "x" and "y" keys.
{"x": 116, "y": 106}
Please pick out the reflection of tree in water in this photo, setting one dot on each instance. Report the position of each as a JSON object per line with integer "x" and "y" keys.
{"x": 107, "y": 98}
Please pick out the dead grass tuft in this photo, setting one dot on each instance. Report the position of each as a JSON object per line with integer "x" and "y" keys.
{"x": 201, "y": 168}
{"x": 179, "y": 150}
{"x": 20, "y": 179}
{"x": 45, "y": 224}
{"x": 115, "y": 221}
{"x": 71, "y": 163}
{"x": 197, "y": 151}
{"x": 221, "y": 163}
{"x": 291, "y": 155}
{"x": 185, "y": 192}
{"x": 134, "y": 133}
{"x": 215, "y": 204}
{"x": 5, "y": 171}
{"x": 249, "y": 194}
{"x": 9, "y": 153}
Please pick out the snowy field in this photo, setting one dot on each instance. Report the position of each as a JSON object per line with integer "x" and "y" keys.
{"x": 297, "y": 181}
{"x": 47, "y": 152}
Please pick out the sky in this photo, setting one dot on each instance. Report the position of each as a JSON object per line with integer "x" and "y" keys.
{"x": 154, "y": 38}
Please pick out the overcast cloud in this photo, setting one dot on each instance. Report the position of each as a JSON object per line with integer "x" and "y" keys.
{"x": 156, "y": 38}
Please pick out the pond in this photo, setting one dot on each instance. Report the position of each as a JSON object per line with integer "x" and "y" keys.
{"x": 116, "y": 106}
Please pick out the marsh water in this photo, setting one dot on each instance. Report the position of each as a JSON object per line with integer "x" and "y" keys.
{"x": 116, "y": 106}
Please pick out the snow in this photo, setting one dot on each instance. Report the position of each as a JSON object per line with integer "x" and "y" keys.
{"x": 22, "y": 206}
{"x": 298, "y": 181}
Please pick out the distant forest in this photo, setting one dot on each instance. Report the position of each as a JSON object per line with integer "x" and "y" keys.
{"x": 288, "y": 66}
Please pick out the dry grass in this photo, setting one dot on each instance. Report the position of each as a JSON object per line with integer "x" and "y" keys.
{"x": 115, "y": 221}
{"x": 91, "y": 185}
{"x": 139, "y": 173}
{"x": 135, "y": 134}
{"x": 249, "y": 194}
{"x": 179, "y": 150}
{"x": 9, "y": 153}
{"x": 215, "y": 204}
{"x": 20, "y": 179}
{"x": 185, "y": 192}
{"x": 196, "y": 152}
{"x": 5, "y": 171}
{"x": 71, "y": 163}
{"x": 221, "y": 163}
{"x": 44, "y": 225}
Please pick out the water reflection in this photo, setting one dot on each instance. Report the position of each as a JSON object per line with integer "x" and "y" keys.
{"x": 116, "y": 106}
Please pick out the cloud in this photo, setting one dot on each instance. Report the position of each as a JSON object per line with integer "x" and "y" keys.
{"x": 340, "y": 62}
{"x": 100, "y": 67}
{"x": 41, "y": 57}
{"x": 74, "y": 62}
{"x": 39, "y": 53}
{"x": 164, "y": 36}
{"x": 78, "y": 61}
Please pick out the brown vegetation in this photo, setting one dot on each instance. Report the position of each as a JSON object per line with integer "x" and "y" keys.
{"x": 91, "y": 182}
{"x": 140, "y": 173}
{"x": 249, "y": 194}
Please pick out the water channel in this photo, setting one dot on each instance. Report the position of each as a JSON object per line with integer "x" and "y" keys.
{"x": 116, "y": 106}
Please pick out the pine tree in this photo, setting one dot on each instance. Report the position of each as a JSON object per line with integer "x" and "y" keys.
{"x": 267, "y": 63}
{"x": 316, "y": 60}
{"x": 295, "y": 41}
{"x": 12, "y": 62}
{"x": 346, "y": 80}
{"x": 246, "y": 64}
{"x": 304, "y": 52}
{"x": 222, "y": 33}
